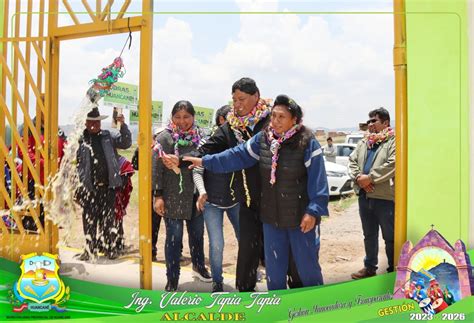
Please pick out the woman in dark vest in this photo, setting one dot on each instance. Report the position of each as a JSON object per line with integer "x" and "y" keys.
{"x": 294, "y": 190}
{"x": 174, "y": 193}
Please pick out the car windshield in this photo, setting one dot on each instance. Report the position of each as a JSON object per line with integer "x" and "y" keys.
{"x": 344, "y": 150}
{"x": 354, "y": 140}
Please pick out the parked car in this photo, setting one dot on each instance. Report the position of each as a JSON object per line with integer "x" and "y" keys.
{"x": 343, "y": 151}
{"x": 338, "y": 179}
{"x": 354, "y": 138}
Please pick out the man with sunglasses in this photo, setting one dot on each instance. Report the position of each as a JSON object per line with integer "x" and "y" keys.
{"x": 372, "y": 168}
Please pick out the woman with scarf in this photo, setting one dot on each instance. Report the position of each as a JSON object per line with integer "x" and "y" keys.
{"x": 174, "y": 193}
{"x": 294, "y": 190}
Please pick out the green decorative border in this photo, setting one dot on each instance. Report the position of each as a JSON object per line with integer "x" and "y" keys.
{"x": 105, "y": 303}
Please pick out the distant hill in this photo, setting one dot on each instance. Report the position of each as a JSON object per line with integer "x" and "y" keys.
{"x": 348, "y": 129}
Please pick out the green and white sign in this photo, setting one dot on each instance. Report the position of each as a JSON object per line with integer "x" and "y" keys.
{"x": 123, "y": 94}
{"x": 156, "y": 113}
{"x": 203, "y": 117}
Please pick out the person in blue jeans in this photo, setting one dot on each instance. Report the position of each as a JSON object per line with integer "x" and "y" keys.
{"x": 294, "y": 190}
{"x": 372, "y": 168}
{"x": 174, "y": 193}
{"x": 215, "y": 198}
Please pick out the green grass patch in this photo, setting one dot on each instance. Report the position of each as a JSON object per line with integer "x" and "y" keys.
{"x": 344, "y": 202}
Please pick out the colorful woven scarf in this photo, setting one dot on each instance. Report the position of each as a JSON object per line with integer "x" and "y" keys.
{"x": 275, "y": 141}
{"x": 181, "y": 138}
{"x": 239, "y": 125}
{"x": 376, "y": 138}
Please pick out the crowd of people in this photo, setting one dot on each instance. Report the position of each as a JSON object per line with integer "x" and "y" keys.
{"x": 31, "y": 141}
{"x": 260, "y": 166}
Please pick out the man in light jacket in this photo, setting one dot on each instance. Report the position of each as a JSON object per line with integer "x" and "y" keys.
{"x": 330, "y": 151}
{"x": 372, "y": 168}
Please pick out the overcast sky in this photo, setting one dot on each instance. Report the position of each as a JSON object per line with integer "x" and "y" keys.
{"x": 337, "y": 67}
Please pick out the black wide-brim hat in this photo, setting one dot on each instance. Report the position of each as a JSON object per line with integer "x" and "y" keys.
{"x": 95, "y": 115}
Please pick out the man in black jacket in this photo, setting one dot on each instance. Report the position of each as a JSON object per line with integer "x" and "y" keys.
{"x": 249, "y": 115}
{"x": 99, "y": 174}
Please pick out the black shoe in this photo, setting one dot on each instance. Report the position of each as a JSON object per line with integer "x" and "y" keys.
{"x": 154, "y": 258}
{"x": 85, "y": 256}
{"x": 390, "y": 269}
{"x": 217, "y": 287}
{"x": 112, "y": 255}
{"x": 171, "y": 285}
{"x": 202, "y": 274}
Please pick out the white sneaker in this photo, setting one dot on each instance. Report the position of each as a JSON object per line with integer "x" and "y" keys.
{"x": 203, "y": 275}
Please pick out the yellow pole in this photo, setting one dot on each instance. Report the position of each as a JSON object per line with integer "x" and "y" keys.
{"x": 14, "y": 107}
{"x": 51, "y": 114}
{"x": 400, "y": 67}
{"x": 144, "y": 144}
{"x": 4, "y": 47}
{"x": 39, "y": 85}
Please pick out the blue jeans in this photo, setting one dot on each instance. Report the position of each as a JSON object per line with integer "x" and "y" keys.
{"x": 277, "y": 244}
{"x": 214, "y": 218}
{"x": 174, "y": 242}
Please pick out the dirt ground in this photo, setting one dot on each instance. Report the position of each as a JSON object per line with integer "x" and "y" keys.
{"x": 341, "y": 253}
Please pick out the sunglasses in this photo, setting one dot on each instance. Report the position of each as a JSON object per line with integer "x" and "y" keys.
{"x": 371, "y": 121}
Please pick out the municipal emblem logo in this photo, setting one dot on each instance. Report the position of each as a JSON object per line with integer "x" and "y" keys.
{"x": 39, "y": 287}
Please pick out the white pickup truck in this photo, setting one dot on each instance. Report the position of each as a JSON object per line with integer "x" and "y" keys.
{"x": 354, "y": 138}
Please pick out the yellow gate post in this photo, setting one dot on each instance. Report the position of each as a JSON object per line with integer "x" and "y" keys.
{"x": 144, "y": 142}
{"x": 400, "y": 66}
{"x": 51, "y": 113}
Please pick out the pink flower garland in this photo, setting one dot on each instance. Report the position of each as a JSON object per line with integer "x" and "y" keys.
{"x": 375, "y": 138}
{"x": 184, "y": 138}
{"x": 275, "y": 145}
{"x": 239, "y": 124}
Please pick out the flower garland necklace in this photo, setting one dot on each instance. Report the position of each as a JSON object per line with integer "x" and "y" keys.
{"x": 376, "y": 138}
{"x": 238, "y": 125}
{"x": 181, "y": 138}
{"x": 275, "y": 145}
{"x": 184, "y": 138}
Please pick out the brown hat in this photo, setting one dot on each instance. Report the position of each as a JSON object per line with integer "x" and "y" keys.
{"x": 94, "y": 114}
